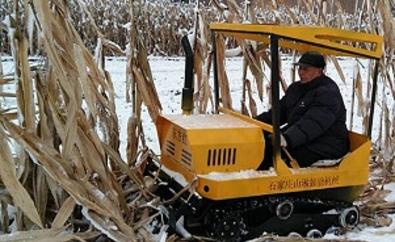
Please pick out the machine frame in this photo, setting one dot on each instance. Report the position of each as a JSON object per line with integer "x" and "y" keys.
{"x": 282, "y": 200}
{"x": 295, "y": 179}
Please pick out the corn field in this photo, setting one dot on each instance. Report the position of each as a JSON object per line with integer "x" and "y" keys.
{"x": 62, "y": 175}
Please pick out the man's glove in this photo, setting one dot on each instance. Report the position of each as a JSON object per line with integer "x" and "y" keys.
{"x": 283, "y": 141}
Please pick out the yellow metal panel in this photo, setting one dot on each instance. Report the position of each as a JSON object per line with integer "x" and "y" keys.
{"x": 314, "y": 179}
{"x": 279, "y": 165}
{"x": 360, "y": 153}
{"x": 324, "y": 40}
{"x": 176, "y": 166}
{"x": 185, "y": 142}
{"x": 226, "y": 150}
{"x": 352, "y": 171}
{"x": 210, "y": 143}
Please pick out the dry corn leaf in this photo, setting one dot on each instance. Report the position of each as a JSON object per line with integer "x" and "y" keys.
{"x": 7, "y": 94}
{"x": 254, "y": 63}
{"x": 382, "y": 221}
{"x": 5, "y": 220}
{"x": 91, "y": 19}
{"x": 123, "y": 166}
{"x": 205, "y": 94}
{"x": 251, "y": 101}
{"x": 222, "y": 77}
{"x": 25, "y": 86}
{"x": 55, "y": 167}
{"x": 8, "y": 176}
{"x": 45, "y": 128}
{"x": 115, "y": 48}
{"x": 89, "y": 235}
{"x": 388, "y": 23}
{"x": 108, "y": 227}
{"x": 9, "y": 116}
{"x": 338, "y": 68}
{"x": 83, "y": 78}
{"x": 147, "y": 93}
{"x": 92, "y": 153}
{"x": 360, "y": 97}
{"x": 64, "y": 213}
{"x": 388, "y": 150}
{"x": 198, "y": 64}
{"x": 45, "y": 235}
{"x": 40, "y": 191}
{"x": 390, "y": 78}
{"x": 244, "y": 109}
{"x": 276, "y": 238}
{"x": 3, "y": 80}
{"x": 133, "y": 138}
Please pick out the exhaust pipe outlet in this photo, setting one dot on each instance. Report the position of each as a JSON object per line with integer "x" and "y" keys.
{"x": 188, "y": 90}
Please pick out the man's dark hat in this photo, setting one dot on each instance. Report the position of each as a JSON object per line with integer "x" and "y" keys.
{"x": 311, "y": 59}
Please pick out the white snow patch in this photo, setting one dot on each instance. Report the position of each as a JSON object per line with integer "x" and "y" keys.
{"x": 244, "y": 174}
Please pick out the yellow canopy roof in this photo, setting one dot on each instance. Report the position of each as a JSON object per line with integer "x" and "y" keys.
{"x": 328, "y": 41}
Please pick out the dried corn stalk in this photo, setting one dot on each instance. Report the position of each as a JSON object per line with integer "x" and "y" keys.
{"x": 66, "y": 144}
{"x": 139, "y": 76}
{"x": 251, "y": 101}
{"x": 358, "y": 91}
{"x": 202, "y": 63}
{"x": 254, "y": 63}
{"x": 223, "y": 82}
{"x": 338, "y": 68}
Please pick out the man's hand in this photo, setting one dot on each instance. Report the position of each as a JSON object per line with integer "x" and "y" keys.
{"x": 283, "y": 142}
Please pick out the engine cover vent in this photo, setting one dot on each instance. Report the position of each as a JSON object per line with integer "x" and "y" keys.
{"x": 170, "y": 147}
{"x": 221, "y": 157}
{"x": 186, "y": 157}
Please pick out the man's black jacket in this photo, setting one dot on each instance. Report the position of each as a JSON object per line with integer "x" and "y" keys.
{"x": 315, "y": 115}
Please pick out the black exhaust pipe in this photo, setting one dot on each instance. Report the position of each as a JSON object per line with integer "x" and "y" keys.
{"x": 187, "y": 91}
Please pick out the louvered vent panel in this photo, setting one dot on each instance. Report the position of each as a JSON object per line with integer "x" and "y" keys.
{"x": 186, "y": 157}
{"x": 171, "y": 148}
{"x": 221, "y": 157}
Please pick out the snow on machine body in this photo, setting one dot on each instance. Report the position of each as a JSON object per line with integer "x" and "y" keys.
{"x": 219, "y": 154}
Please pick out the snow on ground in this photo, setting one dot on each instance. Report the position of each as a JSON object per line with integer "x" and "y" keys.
{"x": 168, "y": 76}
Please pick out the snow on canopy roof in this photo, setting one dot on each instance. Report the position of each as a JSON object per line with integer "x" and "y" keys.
{"x": 328, "y": 41}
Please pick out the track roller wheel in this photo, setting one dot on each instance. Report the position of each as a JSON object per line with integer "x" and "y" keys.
{"x": 284, "y": 209}
{"x": 314, "y": 234}
{"x": 349, "y": 217}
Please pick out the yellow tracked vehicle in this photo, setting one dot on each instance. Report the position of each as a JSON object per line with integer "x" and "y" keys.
{"x": 219, "y": 154}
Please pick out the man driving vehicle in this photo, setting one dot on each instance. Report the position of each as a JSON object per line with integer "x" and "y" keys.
{"x": 315, "y": 116}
